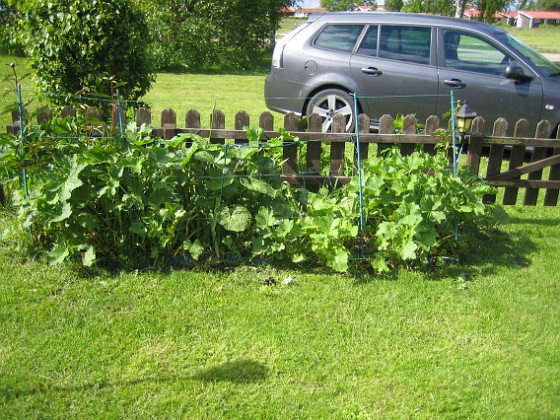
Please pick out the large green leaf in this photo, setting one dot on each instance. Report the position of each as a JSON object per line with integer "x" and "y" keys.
{"x": 235, "y": 219}
{"x": 259, "y": 186}
{"x": 58, "y": 254}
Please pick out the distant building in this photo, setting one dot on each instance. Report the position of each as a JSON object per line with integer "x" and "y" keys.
{"x": 305, "y": 12}
{"x": 534, "y": 18}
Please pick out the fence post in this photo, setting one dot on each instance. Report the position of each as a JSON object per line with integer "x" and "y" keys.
{"x": 475, "y": 145}
{"x": 551, "y": 195}
{"x": 496, "y": 156}
{"x": 337, "y": 148}
{"x": 315, "y": 125}
{"x": 409, "y": 127}
{"x": 516, "y": 159}
{"x": 68, "y": 111}
{"x": 539, "y": 153}
{"x": 44, "y": 114}
{"x": 168, "y": 123}
{"x": 432, "y": 125}
{"x": 289, "y": 151}
{"x": 192, "y": 119}
{"x": 266, "y": 121}
{"x": 219, "y": 123}
{"x": 363, "y": 127}
{"x": 385, "y": 127}
{"x": 241, "y": 122}
{"x": 143, "y": 116}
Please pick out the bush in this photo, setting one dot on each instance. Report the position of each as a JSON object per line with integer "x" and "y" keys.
{"x": 76, "y": 46}
{"x": 140, "y": 201}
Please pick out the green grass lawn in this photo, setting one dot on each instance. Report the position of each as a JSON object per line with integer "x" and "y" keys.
{"x": 543, "y": 39}
{"x": 473, "y": 341}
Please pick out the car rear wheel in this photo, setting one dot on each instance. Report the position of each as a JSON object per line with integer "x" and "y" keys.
{"x": 330, "y": 102}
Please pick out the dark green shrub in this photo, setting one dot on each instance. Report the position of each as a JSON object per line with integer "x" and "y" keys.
{"x": 76, "y": 46}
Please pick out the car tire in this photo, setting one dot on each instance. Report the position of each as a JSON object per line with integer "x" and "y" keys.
{"x": 327, "y": 103}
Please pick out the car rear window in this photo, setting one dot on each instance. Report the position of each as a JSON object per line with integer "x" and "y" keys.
{"x": 338, "y": 37}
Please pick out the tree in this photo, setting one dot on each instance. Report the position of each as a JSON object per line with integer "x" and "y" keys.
{"x": 548, "y": 4}
{"x": 209, "y": 34}
{"x": 8, "y": 27}
{"x": 75, "y": 46}
{"x": 436, "y": 7}
{"x": 341, "y": 5}
{"x": 394, "y": 5}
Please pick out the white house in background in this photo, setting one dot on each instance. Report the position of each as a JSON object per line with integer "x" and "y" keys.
{"x": 534, "y": 18}
{"x": 306, "y": 11}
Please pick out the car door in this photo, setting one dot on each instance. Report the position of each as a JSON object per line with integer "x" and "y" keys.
{"x": 474, "y": 68}
{"x": 393, "y": 71}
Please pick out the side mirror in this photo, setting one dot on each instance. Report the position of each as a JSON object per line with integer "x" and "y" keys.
{"x": 516, "y": 73}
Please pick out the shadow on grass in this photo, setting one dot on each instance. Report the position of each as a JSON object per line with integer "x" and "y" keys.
{"x": 238, "y": 372}
{"x": 482, "y": 254}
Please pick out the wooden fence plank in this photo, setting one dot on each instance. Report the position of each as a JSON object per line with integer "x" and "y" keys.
{"x": 337, "y": 149}
{"x": 516, "y": 159}
{"x": 168, "y": 123}
{"x": 385, "y": 127}
{"x": 531, "y": 194}
{"x": 290, "y": 149}
{"x": 143, "y": 116}
{"x": 551, "y": 195}
{"x": 496, "y": 156}
{"x": 432, "y": 125}
{"x": 266, "y": 121}
{"x": 474, "y": 152}
{"x": 409, "y": 127}
{"x": 241, "y": 123}
{"x": 192, "y": 118}
{"x": 314, "y": 147}
{"x": 218, "y": 119}
{"x": 363, "y": 127}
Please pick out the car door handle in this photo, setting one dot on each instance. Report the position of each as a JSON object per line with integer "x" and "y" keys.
{"x": 372, "y": 71}
{"x": 456, "y": 83}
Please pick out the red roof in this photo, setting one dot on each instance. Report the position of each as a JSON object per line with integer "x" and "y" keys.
{"x": 540, "y": 14}
{"x": 312, "y": 10}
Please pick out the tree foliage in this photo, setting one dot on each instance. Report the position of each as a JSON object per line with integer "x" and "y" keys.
{"x": 344, "y": 5}
{"x": 548, "y": 5}
{"x": 436, "y": 7}
{"x": 207, "y": 34}
{"x": 394, "y": 5}
{"x": 76, "y": 45}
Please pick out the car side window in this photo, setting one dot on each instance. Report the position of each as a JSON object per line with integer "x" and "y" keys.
{"x": 339, "y": 37}
{"x": 405, "y": 43}
{"x": 368, "y": 46}
{"x": 468, "y": 52}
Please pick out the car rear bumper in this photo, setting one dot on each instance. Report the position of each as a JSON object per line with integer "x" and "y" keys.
{"x": 282, "y": 95}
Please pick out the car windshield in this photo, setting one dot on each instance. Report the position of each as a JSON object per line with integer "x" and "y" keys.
{"x": 547, "y": 67}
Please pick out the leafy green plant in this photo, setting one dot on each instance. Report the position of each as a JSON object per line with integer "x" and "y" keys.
{"x": 414, "y": 207}
{"x": 138, "y": 200}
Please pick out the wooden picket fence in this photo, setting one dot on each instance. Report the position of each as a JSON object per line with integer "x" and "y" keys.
{"x": 528, "y": 162}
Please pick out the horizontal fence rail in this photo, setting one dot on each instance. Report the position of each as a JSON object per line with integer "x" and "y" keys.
{"x": 527, "y": 161}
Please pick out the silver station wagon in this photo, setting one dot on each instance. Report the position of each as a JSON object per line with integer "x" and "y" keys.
{"x": 398, "y": 63}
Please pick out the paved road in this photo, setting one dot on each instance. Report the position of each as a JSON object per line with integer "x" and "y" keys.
{"x": 553, "y": 57}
